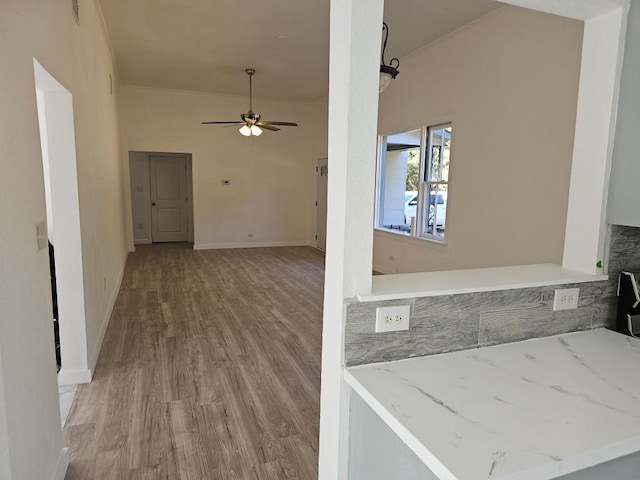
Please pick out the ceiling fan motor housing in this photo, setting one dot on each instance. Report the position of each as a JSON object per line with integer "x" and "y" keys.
{"x": 250, "y": 117}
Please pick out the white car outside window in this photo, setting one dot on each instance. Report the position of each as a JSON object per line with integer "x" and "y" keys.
{"x": 411, "y": 206}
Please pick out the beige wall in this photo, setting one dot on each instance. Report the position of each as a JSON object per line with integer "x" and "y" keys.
{"x": 79, "y": 58}
{"x": 271, "y": 176}
{"x": 509, "y": 82}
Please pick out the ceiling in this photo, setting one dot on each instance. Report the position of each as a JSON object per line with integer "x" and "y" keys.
{"x": 205, "y": 46}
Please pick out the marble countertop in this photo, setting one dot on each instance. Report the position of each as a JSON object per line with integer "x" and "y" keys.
{"x": 427, "y": 284}
{"x": 530, "y": 410}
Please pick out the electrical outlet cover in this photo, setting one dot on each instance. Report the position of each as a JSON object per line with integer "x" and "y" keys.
{"x": 566, "y": 298}
{"x": 392, "y": 319}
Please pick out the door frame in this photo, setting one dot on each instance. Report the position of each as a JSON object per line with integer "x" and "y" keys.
{"x": 320, "y": 162}
{"x": 140, "y": 194}
{"x": 60, "y": 184}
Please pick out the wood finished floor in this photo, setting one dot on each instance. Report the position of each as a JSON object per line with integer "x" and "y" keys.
{"x": 210, "y": 369}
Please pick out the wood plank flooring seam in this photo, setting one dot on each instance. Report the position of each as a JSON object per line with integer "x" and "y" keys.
{"x": 210, "y": 369}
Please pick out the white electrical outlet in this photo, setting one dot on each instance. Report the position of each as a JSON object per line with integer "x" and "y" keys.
{"x": 566, "y": 299}
{"x": 392, "y": 319}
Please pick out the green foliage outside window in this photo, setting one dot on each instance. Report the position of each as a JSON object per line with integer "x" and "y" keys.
{"x": 413, "y": 171}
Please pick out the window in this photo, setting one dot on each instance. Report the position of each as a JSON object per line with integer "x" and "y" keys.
{"x": 413, "y": 182}
{"x": 435, "y": 187}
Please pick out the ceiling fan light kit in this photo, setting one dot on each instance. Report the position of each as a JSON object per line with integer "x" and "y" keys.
{"x": 390, "y": 71}
{"x": 251, "y": 124}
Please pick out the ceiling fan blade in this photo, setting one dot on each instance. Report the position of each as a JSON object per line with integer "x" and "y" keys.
{"x": 250, "y": 118}
{"x": 284, "y": 124}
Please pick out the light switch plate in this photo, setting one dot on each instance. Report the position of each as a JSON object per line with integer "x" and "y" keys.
{"x": 41, "y": 235}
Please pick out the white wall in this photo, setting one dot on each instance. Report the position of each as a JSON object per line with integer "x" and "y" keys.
{"x": 55, "y": 120}
{"x": 600, "y": 74}
{"x": 376, "y": 452}
{"x": 622, "y": 208}
{"x": 270, "y": 196}
{"x": 140, "y": 197}
{"x": 353, "y": 105}
{"x": 42, "y": 125}
{"x": 321, "y": 127}
{"x": 79, "y": 58}
{"x": 100, "y": 173}
{"x": 510, "y": 82}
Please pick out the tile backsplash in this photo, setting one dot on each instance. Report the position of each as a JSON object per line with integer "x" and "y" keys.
{"x": 456, "y": 322}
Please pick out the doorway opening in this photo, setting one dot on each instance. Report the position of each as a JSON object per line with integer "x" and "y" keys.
{"x": 161, "y": 197}
{"x": 57, "y": 141}
{"x": 322, "y": 176}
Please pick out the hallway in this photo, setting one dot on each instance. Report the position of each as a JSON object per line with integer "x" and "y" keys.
{"x": 210, "y": 369}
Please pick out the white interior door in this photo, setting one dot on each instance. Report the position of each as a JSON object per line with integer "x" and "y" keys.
{"x": 322, "y": 171}
{"x": 168, "y": 186}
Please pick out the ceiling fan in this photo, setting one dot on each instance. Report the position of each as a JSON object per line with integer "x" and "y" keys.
{"x": 251, "y": 122}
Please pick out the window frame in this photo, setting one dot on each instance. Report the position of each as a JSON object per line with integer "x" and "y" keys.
{"x": 425, "y": 150}
{"x": 424, "y": 192}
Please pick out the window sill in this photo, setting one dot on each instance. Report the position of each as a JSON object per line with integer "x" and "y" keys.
{"x": 429, "y": 242}
{"x": 431, "y": 284}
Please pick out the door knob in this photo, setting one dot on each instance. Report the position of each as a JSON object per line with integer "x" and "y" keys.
{"x": 153, "y": 204}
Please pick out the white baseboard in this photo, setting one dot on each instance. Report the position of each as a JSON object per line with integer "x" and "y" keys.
{"x": 382, "y": 269}
{"x": 73, "y": 377}
{"x": 61, "y": 466}
{"x": 107, "y": 316}
{"x": 218, "y": 246}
